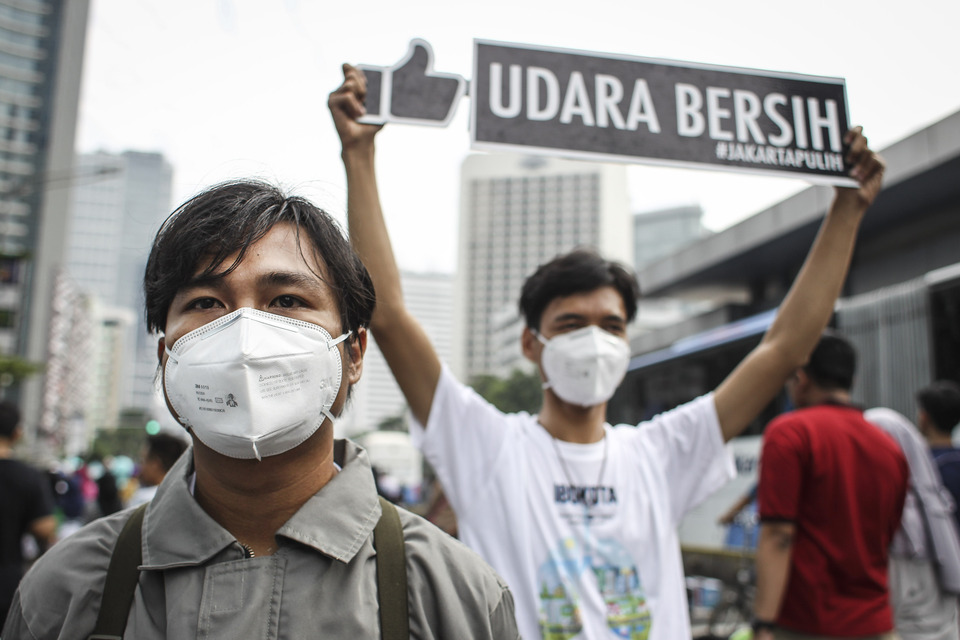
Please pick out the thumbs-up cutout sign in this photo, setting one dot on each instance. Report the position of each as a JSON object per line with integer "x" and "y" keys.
{"x": 410, "y": 91}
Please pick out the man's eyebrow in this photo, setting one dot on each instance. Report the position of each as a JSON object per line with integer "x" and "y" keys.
{"x": 569, "y": 316}
{"x": 290, "y": 278}
{"x": 212, "y": 280}
{"x": 274, "y": 279}
{"x": 581, "y": 317}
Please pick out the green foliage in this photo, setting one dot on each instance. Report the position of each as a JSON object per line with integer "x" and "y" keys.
{"x": 520, "y": 392}
{"x": 14, "y": 369}
{"x": 393, "y": 423}
{"x": 125, "y": 441}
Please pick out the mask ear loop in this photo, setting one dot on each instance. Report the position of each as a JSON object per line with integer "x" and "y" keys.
{"x": 330, "y": 345}
{"x": 546, "y": 383}
{"x": 171, "y": 356}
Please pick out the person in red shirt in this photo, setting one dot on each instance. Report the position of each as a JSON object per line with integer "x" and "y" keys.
{"x": 831, "y": 491}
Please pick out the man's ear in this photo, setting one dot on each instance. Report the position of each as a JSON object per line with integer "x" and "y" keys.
{"x": 161, "y": 344}
{"x": 357, "y": 348}
{"x": 923, "y": 421}
{"x": 530, "y": 345}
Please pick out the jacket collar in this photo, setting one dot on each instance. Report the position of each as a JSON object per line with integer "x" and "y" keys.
{"x": 335, "y": 521}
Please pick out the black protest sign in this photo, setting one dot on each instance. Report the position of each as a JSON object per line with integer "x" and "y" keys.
{"x": 410, "y": 91}
{"x": 555, "y": 101}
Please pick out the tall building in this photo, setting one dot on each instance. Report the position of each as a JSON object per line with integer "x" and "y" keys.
{"x": 41, "y": 59}
{"x": 429, "y": 297}
{"x": 657, "y": 234}
{"x": 61, "y": 430}
{"x": 517, "y": 212}
{"x": 111, "y": 328}
{"x": 116, "y": 212}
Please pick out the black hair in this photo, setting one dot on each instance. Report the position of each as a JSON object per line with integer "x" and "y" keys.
{"x": 229, "y": 217}
{"x": 941, "y": 401}
{"x": 579, "y": 271}
{"x": 832, "y": 363}
{"x": 9, "y": 419}
{"x": 165, "y": 448}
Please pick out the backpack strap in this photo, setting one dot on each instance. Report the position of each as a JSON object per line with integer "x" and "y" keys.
{"x": 123, "y": 574}
{"x": 391, "y": 574}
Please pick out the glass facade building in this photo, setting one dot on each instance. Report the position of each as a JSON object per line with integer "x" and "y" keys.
{"x": 41, "y": 60}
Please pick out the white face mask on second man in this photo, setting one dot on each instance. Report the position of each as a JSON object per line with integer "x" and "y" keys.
{"x": 254, "y": 384}
{"x": 584, "y": 367}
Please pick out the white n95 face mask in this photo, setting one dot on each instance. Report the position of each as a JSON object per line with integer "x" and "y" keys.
{"x": 253, "y": 384}
{"x": 584, "y": 367}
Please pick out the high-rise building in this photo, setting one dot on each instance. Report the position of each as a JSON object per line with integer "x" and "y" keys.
{"x": 377, "y": 398}
{"x": 517, "y": 212}
{"x": 116, "y": 213}
{"x": 61, "y": 430}
{"x": 659, "y": 233}
{"x": 112, "y": 328}
{"x": 41, "y": 59}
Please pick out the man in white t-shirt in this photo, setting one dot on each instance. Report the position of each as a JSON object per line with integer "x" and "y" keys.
{"x": 578, "y": 516}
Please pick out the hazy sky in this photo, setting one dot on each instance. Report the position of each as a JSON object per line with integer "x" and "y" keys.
{"x": 231, "y": 88}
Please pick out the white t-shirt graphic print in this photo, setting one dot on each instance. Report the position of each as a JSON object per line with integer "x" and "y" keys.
{"x": 584, "y": 535}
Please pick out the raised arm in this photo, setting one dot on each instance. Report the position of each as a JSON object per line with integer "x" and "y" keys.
{"x": 401, "y": 339}
{"x": 809, "y": 304}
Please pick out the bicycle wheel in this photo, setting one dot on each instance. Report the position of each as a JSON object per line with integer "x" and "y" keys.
{"x": 726, "y": 618}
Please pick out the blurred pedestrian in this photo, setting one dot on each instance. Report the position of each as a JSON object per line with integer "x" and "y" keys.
{"x": 108, "y": 493}
{"x": 26, "y": 507}
{"x": 925, "y": 555}
{"x": 831, "y": 491}
{"x": 740, "y": 519}
{"x": 68, "y": 500}
{"x": 157, "y": 457}
{"x": 938, "y": 413}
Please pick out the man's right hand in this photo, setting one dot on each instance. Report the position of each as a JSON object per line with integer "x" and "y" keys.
{"x": 402, "y": 341}
{"x": 346, "y": 105}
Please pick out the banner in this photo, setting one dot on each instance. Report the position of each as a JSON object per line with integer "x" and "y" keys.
{"x": 540, "y": 100}
{"x": 634, "y": 109}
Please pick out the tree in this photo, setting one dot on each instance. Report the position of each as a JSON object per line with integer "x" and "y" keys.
{"x": 13, "y": 370}
{"x": 393, "y": 423}
{"x": 520, "y": 392}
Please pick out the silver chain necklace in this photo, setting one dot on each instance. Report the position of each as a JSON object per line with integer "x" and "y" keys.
{"x": 566, "y": 472}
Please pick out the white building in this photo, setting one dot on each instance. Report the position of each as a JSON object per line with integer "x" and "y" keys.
{"x": 661, "y": 232}
{"x": 517, "y": 212}
{"x": 429, "y": 297}
{"x": 115, "y": 214}
{"x": 112, "y": 331}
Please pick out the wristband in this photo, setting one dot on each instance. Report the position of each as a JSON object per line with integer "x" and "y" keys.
{"x": 761, "y": 625}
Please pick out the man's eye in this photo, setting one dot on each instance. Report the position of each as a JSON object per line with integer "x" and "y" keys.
{"x": 287, "y": 302}
{"x": 203, "y": 303}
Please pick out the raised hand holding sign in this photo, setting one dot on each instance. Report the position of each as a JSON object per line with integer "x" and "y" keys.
{"x": 410, "y": 91}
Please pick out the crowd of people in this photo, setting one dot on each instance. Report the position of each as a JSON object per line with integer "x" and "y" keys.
{"x": 273, "y": 528}
{"x": 39, "y": 507}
